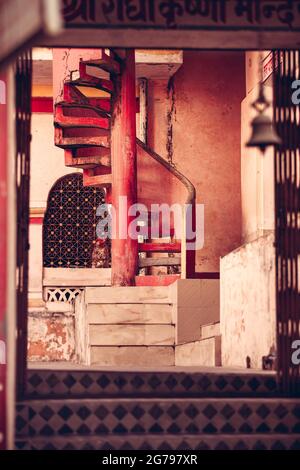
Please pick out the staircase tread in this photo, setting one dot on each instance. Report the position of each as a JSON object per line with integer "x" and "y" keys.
{"x": 76, "y": 142}
{"x": 106, "y": 63}
{"x": 97, "y": 180}
{"x": 162, "y": 400}
{"x": 74, "y": 105}
{"x": 92, "y": 83}
{"x": 79, "y": 122}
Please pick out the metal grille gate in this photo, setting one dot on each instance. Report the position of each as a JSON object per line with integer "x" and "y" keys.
{"x": 23, "y": 76}
{"x": 287, "y": 213}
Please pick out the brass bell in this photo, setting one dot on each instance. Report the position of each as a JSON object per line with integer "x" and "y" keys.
{"x": 263, "y": 134}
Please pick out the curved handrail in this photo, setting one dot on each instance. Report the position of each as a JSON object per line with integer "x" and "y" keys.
{"x": 183, "y": 179}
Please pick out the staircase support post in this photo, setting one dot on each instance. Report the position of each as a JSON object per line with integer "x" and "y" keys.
{"x": 124, "y": 174}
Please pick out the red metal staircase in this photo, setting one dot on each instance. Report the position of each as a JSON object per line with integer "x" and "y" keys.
{"x": 83, "y": 130}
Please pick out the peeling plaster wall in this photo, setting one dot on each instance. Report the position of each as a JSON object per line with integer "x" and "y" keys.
{"x": 248, "y": 323}
{"x": 51, "y": 335}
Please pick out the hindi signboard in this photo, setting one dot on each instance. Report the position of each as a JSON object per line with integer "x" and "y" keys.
{"x": 184, "y": 14}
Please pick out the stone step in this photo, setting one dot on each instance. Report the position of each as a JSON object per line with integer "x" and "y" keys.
{"x": 206, "y": 352}
{"x": 132, "y": 356}
{"x": 129, "y": 314}
{"x": 172, "y": 382}
{"x": 128, "y": 295}
{"x": 94, "y": 180}
{"x": 165, "y": 442}
{"x": 131, "y": 335}
{"x": 105, "y": 63}
{"x": 85, "y": 117}
{"x": 91, "y": 160}
{"x": 209, "y": 331}
{"x": 163, "y": 416}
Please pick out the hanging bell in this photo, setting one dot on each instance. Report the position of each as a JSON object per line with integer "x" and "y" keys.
{"x": 263, "y": 134}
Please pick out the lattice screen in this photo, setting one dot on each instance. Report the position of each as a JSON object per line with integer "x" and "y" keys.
{"x": 62, "y": 294}
{"x": 69, "y": 232}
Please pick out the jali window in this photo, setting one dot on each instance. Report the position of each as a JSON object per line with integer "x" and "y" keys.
{"x": 69, "y": 232}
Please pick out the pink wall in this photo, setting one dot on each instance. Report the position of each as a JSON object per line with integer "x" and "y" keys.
{"x": 206, "y": 114}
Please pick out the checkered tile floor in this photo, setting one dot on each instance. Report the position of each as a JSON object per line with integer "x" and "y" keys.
{"x": 55, "y": 384}
{"x": 163, "y": 410}
{"x": 169, "y": 442}
{"x": 158, "y": 416}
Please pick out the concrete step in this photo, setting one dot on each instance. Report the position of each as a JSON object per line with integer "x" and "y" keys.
{"x": 205, "y": 352}
{"x": 129, "y": 314}
{"x": 90, "y": 179}
{"x": 161, "y": 416}
{"x": 132, "y": 356}
{"x": 165, "y": 442}
{"x": 131, "y": 335}
{"x": 134, "y": 382}
{"x": 209, "y": 331}
{"x": 92, "y": 82}
{"x": 128, "y": 295}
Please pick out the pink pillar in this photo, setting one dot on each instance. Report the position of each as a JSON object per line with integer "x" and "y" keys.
{"x": 3, "y": 253}
{"x": 124, "y": 173}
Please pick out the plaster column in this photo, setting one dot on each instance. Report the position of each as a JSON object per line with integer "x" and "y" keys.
{"x": 124, "y": 174}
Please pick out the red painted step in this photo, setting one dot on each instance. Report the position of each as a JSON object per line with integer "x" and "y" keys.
{"x": 84, "y": 79}
{"x": 104, "y": 62}
{"x": 89, "y": 160}
{"x": 94, "y": 180}
{"x": 163, "y": 280}
{"x": 74, "y": 96}
{"x": 61, "y": 120}
{"x": 84, "y": 109}
{"x": 69, "y": 142}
